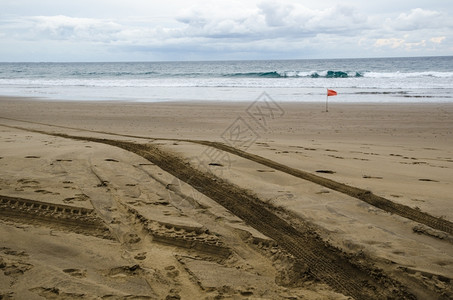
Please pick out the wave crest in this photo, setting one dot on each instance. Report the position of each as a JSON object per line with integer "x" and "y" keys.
{"x": 297, "y": 74}
{"x": 340, "y": 74}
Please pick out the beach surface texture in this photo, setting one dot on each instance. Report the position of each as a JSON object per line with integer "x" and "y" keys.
{"x": 225, "y": 200}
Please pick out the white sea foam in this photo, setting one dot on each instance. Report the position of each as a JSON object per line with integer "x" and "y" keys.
{"x": 397, "y": 75}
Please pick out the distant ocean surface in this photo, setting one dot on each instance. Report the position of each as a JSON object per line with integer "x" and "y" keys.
{"x": 421, "y": 79}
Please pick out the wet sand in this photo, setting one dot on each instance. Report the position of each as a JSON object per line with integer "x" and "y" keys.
{"x": 162, "y": 200}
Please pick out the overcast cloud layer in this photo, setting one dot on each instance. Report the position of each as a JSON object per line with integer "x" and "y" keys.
{"x": 141, "y": 30}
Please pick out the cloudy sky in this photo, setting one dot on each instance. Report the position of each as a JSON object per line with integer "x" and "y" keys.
{"x": 147, "y": 30}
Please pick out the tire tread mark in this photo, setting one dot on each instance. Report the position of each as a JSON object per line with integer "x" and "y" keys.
{"x": 77, "y": 219}
{"x": 361, "y": 194}
{"x": 325, "y": 263}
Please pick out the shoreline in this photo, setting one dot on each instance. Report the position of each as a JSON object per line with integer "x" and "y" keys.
{"x": 224, "y": 102}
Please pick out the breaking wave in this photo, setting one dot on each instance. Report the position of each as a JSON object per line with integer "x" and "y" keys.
{"x": 340, "y": 74}
{"x": 296, "y": 74}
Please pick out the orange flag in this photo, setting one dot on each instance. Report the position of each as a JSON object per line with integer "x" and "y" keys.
{"x": 331, "y": 93}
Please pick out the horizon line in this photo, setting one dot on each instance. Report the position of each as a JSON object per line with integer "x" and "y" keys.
{"x": 225, "y": 60}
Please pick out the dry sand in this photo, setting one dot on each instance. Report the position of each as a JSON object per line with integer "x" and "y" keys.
{"x": 123, "y": 200}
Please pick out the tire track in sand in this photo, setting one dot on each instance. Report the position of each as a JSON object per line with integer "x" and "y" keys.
{"x": 66, "y": 217}
{"x": 361, "y": 194}
{"x": 358, "y": 193}
{"x": 316, "y": 257}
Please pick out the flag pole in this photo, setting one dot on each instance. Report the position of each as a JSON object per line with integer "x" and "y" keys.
{"x": 327, "y": 99}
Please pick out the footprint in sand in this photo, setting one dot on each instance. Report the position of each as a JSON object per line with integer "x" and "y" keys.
{"x": 428, "y": 180}
{"x": 172, "y": 272}
{"x": 140, "y": 256}
{"x": 266, "y": 171}
{"x": 55, "y": 293}
{"x": 76, "y": 272}
{"x": 8, "y": 251}
{"x": 371, "y": 177}
{"x": 111, "y": 159}
{"x": 335, "y": 156}
{"x": 43, "y": 192}
{"x": 326, "y": 171}
{"x": 323, "y": 191}
{"x": 418, "y": 200}
{"x": 362, "y": 159}
{"x": 215, "y": 164}
{"x": 132, "y": 238}
{"x": 12, "y": 266}
{"x": 27, "y": 181}
{"x": 77, "y": 197}
{"x": 125, "y": 271}
{"x": 68, "y": 185}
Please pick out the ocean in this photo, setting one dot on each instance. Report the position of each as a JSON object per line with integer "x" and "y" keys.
{"x": 419, "y": 79}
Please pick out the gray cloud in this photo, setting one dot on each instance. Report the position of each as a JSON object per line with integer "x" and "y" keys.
{"x": 236, "y": 29}
{"x": 274, "y": 19}
{"x": 67, "y": 28}
{"x": 419, "y": 19}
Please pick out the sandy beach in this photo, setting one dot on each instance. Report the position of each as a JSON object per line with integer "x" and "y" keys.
{"x": 233, "y": 200}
